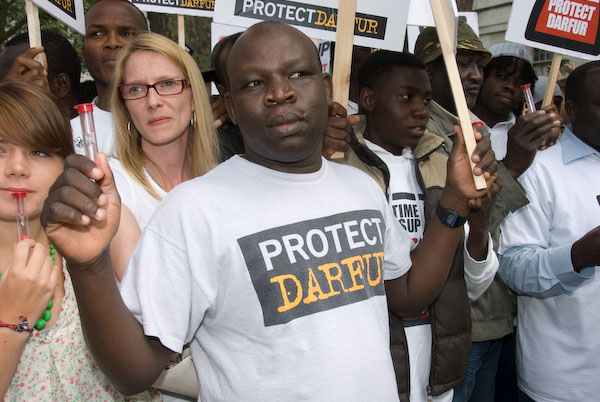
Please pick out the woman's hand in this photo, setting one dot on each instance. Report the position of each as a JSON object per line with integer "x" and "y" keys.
{"x": 27, "y": 285}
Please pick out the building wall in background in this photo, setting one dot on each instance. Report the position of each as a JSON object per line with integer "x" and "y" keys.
{"x": 493, "y": 22}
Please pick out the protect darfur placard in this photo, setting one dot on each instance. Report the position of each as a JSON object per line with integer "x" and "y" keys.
{"x": 203, "y": 8}
{"x": 380, "y": 24}
{"x": 66, "y": 6}
{"x": 309, "y": 15}
{"x": 316, "y": 265}
{"x": 69, "y": 12}
{"x": 566, "y": 27}
{"x": 570, "y": 24}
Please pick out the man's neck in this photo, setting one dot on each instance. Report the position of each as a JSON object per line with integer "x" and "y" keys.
{"x": 446, "y": 103}
{"x": 372, "y": 134}
{"x": 103, "y": 96}
{"x": 582, "y": 138}
{"x": 172, "y": 160}
{"x": 487, "y": 116}
{"x": 310, "y": 164}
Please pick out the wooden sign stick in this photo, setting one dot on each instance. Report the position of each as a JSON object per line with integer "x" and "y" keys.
{"x": 181, "y": 30}
{"x": 33, "y": 27}
{"x": 445, "y": 23}
{"x": 344, "y": 38}
{"x": 554, "y": 70}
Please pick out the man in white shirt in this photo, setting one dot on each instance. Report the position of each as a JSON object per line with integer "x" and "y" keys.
{"x": 501, "y": 97}
{"x": 109, "y": 26}
{"x": 272, "y": 264}
{"x": 394, "y": 94}
{"x": 550, "y": 251}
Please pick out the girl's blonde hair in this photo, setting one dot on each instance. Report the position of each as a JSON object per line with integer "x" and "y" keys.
{"x": 202, "y": 141}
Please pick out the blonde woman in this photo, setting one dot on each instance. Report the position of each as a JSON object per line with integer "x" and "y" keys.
{"x": 164, "y": 132}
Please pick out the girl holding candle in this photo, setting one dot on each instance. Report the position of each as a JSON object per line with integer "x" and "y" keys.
{"x": 44, "y": 355}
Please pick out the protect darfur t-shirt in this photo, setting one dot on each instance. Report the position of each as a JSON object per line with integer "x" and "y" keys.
{"x": 316, "y": 265}
{"x": 276, "y": 280}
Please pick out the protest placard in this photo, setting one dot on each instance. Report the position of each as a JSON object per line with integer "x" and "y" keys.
{"x": 446, "y": 20}
{"x": 379, "y": 24}
{"x": 568, "y": 27}
{"x": 69, "y": 12}
{"x": 201, "y": 8}
{"x": 343, "y": 50}
{"x": 421, "y": 16}
{"x": 33, "y": 30}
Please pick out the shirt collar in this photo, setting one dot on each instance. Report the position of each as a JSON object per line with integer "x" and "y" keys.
{"x": 407, "y": 152}
{"x": 512, "y": 119}
{"x": 573, "y": 148}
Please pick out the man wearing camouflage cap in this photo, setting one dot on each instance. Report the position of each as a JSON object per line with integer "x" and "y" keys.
{"x": 493, "y": 313}
{"x": 471, "y": 57}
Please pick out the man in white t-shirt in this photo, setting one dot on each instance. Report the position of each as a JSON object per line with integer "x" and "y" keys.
{"x": 550, "y": 251}
{"x": 394, "y": 95}
{"x": 273, "y": 264}
{"x": 109, "y": 26}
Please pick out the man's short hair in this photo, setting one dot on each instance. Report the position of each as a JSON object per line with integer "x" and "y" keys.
{"x": 382, "y": 62}
{"x": 576, "y": 81}
{"x": 122, "y": 1}
{"x": 220, "y": 73}
{"x": 504, "y": 63}
{"x": 60, "y": 54}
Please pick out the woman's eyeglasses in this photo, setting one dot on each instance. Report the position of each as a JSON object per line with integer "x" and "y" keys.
{"x": 173, "y": 86}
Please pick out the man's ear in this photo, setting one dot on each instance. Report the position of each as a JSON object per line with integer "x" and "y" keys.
{"x": 429, "y": 69}
{"x": 230, "y": 108}
{"x": 60, "y": 85}
{"x": 571, "y": 109}
{"x": 221, "y": 88}
{"x": 83, "y": 63}
{"x": 328, "y": 87}
{"x": 367, "y": 99}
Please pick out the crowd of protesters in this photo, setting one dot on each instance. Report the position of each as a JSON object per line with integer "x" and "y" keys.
{"x": 217, "y": 249}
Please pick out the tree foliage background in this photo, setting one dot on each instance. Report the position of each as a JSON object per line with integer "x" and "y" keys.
{"x": 13, "y": 21}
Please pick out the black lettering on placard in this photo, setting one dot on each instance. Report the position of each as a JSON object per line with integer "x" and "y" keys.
{"x": 66, "y": 6}
{"x": 323, "y": 47}
{"x": 316, "y": 265}
{"x": 204, "y": 5}
{"x": 309, "y": 15}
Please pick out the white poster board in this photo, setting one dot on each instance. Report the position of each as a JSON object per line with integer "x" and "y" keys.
{"x": 221, "y": 31}
{"x": 324, "y": 48}
{"x": 69, "y": 12}
{"x": 420, "y": 14}
{"x": 568, "y": 27}
{"x": 379, "y": 24}
{"x": 413, "y": 30}
{"x": 199, "y": 8}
